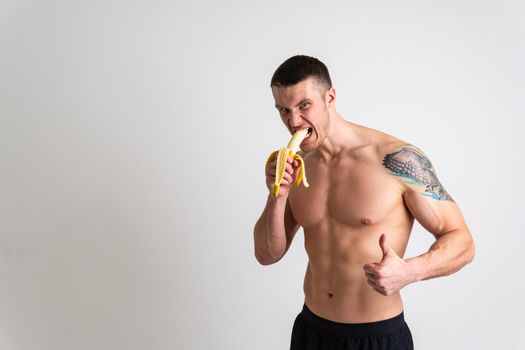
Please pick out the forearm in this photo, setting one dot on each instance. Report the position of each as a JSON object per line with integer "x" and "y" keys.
{"x": 447, "y": 255}
{"x": 270, "y": 232}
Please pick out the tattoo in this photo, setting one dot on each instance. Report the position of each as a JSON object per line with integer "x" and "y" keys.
{"x": 413, "y": 165}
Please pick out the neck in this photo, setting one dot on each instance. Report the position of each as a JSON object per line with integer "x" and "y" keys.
{"x": 342, "y": 136}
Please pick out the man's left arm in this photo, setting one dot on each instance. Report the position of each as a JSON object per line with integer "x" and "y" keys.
{"x": 436, "y": 211}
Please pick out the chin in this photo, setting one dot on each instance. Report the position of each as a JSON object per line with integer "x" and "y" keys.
{"x": 309, "y": 148}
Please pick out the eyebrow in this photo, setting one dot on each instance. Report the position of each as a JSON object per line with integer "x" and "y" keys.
{"x": 300, "y": 102}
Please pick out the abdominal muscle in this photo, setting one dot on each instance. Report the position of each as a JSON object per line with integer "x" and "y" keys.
{"x": 335, "y": 284}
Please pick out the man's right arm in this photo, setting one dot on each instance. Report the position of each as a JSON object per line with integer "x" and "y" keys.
{"x": 275, "y": 229}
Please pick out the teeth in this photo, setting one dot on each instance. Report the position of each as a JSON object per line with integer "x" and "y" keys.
{"x": 282, "y": 157}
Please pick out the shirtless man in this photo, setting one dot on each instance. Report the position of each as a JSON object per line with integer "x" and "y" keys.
{"x": 366, "y": 189}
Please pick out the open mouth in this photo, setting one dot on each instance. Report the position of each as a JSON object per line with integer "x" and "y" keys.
{"x": 308, "y": 134}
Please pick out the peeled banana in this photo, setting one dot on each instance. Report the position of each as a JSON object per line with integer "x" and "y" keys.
{"x": 282, "y": 157}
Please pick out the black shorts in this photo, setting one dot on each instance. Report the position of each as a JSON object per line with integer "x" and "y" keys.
{"x": 311, "y": 332}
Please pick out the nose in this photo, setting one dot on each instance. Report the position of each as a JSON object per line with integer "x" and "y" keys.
{"x": 295, "y": 118}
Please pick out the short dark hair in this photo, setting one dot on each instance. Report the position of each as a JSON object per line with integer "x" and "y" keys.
{"x": 298, "y": 68}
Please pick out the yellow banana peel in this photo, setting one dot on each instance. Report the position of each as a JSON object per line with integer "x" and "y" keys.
{"x": 282, "y": 157}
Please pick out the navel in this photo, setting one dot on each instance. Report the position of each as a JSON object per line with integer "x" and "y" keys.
{"x": 366, "y": 221}
{"x": 330, "y": 295}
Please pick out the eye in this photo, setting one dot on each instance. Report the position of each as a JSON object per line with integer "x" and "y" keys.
{"x": 303, "y": 106}
{"x": 283, "y": 110}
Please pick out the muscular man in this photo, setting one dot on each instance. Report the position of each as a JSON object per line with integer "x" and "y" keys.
{"x": 366, "y": 189}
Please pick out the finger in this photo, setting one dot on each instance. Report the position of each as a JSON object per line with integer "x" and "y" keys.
{"x": 370, "y": 276}
{"x": 272, "y": 164}
{"x": 376, "y": 288}
{"x": 385, "y": 247}
{"x": 270, "y": 172}
{"x": 270, "y": 167}
{"x": 288, "y": 178}
{"x": 380, "y": 291}
{"x": 370, "y": 268}
{"x": 372, "y": 283}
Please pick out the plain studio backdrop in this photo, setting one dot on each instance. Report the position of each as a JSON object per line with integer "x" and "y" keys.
{"x": 133, "y": 136}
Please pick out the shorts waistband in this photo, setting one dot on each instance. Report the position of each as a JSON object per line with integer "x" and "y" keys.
{"x": 370, "y": 329}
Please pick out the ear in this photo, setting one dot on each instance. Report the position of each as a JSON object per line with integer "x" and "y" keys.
{"x": 330, "y": 97}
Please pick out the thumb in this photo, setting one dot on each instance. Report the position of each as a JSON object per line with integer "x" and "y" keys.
{"x": 385, "y": 247}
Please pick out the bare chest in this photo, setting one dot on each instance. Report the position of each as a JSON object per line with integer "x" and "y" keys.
{"x": 350, "y": 193}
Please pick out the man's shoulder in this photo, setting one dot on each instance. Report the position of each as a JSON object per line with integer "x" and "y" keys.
{"x": 380, "y": 143}
{"x": 396, "y": 145}
{"x": 384, "y": 149}
{"x": 399, "y": 151}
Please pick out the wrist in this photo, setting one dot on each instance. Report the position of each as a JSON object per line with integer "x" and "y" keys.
{"x": 415, "y": 269}
{"x": 277, "y": 199}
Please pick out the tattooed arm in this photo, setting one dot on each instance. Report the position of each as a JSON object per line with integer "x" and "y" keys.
{"x": 435, "y": 210}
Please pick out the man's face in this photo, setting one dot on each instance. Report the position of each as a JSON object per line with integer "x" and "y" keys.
{"x": 304, "y": 105}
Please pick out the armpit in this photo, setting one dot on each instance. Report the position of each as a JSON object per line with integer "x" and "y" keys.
{"x": 416, "y": 169}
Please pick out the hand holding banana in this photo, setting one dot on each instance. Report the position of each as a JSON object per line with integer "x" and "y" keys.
{"x": 280, "y": 165}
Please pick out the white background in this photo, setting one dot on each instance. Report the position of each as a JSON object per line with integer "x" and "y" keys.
{"x": 133, "y": 136}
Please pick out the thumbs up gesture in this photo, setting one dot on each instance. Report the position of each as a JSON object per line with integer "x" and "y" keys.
{"x": 391, "y": 274}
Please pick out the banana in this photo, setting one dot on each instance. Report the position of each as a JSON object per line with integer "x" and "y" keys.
{"x": 282, "y": 157}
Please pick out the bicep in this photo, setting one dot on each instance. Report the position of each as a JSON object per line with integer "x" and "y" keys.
{"x": 436, "y": 216}
{"x": 424, "y": 195}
